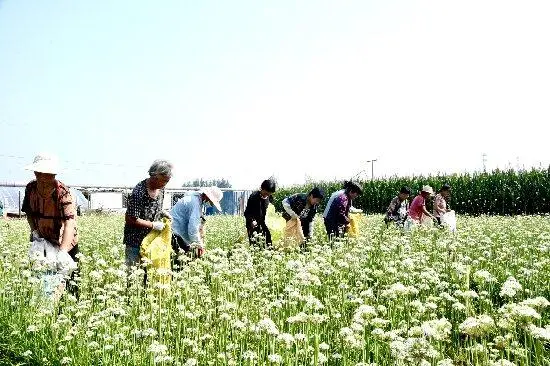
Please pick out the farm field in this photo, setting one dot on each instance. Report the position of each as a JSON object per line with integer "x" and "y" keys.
{"x": 479, "y": 297}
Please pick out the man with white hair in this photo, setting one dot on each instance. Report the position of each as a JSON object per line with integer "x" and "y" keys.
{"x": 187, "y": 218}
{"x": 144, "y": 209}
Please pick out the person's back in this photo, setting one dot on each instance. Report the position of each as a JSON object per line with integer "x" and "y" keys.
{"x": 330, "y": 200}
{"x": 256, "y": 207}
{"x": 183, "y": 212}
{"x": 416, "y": 208}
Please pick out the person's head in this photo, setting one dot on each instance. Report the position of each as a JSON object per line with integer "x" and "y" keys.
{"x": 315, "y": 196}
{"x": 404, "y": 193}
{"x": 267, "y": 188}
{"x": 160, "y": 173}
{"x": 427, "y": 191}
{"x": 45, "y": 167}
{"x": 353, "y": 190}
{"x": 445, "y": 190}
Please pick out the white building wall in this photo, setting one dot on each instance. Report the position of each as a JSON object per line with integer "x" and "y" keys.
{"x": 106, "y": 200}
{"x": 167, "y": 204}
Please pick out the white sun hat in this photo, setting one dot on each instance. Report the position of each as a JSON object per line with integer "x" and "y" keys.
{"x": 428, "y": 189}
{"x": 215, "y": 195}
{"x": 44, "y": 163}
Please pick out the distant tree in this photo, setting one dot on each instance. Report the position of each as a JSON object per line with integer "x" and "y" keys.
{"x": 220, "y": 183}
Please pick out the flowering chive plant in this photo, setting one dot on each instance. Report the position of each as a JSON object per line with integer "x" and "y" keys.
{"x": 428, "y": 297}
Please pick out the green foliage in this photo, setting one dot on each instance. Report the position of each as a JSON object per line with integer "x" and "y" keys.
{"x": 497, "y": 193}
{"x": 220, "y": 183}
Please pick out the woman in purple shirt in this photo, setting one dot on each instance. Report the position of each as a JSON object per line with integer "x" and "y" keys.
{"x": 337, "y": 219}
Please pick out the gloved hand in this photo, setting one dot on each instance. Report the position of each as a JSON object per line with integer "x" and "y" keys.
{"x": 166, "y": 214}
{"x": 158, "y": 225}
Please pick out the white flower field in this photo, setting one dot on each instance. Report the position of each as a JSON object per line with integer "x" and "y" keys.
{"x": 477, "y": 297}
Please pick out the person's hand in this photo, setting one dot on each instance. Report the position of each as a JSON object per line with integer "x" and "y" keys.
{"x": 158, "y": 225}
{"x": 166, "y": 214}
{"x": 200, "y": 251}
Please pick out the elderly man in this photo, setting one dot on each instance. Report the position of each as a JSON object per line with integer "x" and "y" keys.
{"x": 50, "y": 209}
{"x": 144, "y": 209}
{"x": 187, "y": 218}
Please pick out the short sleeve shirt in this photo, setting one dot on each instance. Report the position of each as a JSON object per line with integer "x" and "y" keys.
{"x": 416, "y": 209}
{"x": 440, "y": 205}
{"x": 141, "y": 206}
{"x": 50, "y": 213}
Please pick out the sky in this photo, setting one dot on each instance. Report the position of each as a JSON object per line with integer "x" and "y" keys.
{"x": 297, "y": 90}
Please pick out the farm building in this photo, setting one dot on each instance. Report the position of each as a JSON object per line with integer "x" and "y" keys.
{"x": 12, "y": 199}
{"x": 114, "y": 199}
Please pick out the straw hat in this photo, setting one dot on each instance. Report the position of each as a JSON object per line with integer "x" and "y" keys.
{"x": 215, "y": 195}
{"x": 428, "y": 189}
{"x": 44, "y": 163}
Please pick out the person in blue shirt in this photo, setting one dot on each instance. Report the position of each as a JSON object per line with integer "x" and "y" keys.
{"x": 187, "y": 219}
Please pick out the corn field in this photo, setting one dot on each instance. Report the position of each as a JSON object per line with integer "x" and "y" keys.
{"x": 497, "y": 193}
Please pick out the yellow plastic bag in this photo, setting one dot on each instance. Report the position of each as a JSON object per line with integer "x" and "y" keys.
{"x": 353, "y": 230}
{"x": 156, "y": 248}
{"x": 275, "y": 223}
{"x": 294, "y": 236}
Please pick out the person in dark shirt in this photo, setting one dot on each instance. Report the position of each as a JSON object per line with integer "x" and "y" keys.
{"x": 303, "y": 207}
{"x": 337, "y": 219}
{"x": 398, "y": 208}
{"x": 255, "y": 211}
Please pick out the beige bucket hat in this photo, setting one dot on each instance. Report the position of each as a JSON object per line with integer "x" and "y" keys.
{"x": 44, "y": 163}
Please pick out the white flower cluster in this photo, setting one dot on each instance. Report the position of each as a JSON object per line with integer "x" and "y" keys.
{"x": 477, "y": 326}
{"x": 438, "y": 329}
{"x": 510, "y": 288}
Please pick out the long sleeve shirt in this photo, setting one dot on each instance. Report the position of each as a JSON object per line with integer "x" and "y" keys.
{"x": 256, "y": 208}
{"x": 296, "y": 206}
{"x": 338, "y": 213}
{"x": 330, "y": 200}
{"x": 186, "y": 218}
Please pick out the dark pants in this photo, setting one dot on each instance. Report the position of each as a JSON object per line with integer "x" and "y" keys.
{"x": 72, "y": 283}
{"x": 260, "y": 229}
{"x": 334, "y": 230}
{"x": 178, "y": 244}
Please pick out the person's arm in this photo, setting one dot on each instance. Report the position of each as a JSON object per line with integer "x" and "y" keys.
{"x": 194, "y": 225}
{"x": 250, "y": 212}
{"x": 133, "y": 212}
{"x": 391, "y": 208}
{"x": 68, "y": 213}
{"x": 425, "y": 211}
{"x": 341, "y": 210}
{"x": 288, "y": 209}
{"x": 26, "y": 208}
{"x": 441, "y": 205}
{"x": 68, "y": 235}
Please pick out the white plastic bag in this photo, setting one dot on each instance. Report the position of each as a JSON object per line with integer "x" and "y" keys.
{"x": 53, "y": 267}
{"x": 43, "y": 255}
{"x": 449, "y": 220}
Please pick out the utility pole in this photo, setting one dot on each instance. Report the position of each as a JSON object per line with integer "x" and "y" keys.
{"x": 372, "y": 167}
{"x": 484, "y": 159}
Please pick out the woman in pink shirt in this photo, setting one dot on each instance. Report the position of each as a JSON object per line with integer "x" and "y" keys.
{"x": 417, "y": 210}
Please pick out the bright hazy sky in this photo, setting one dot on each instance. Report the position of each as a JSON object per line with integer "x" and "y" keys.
{"x": 247, "y": 89}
